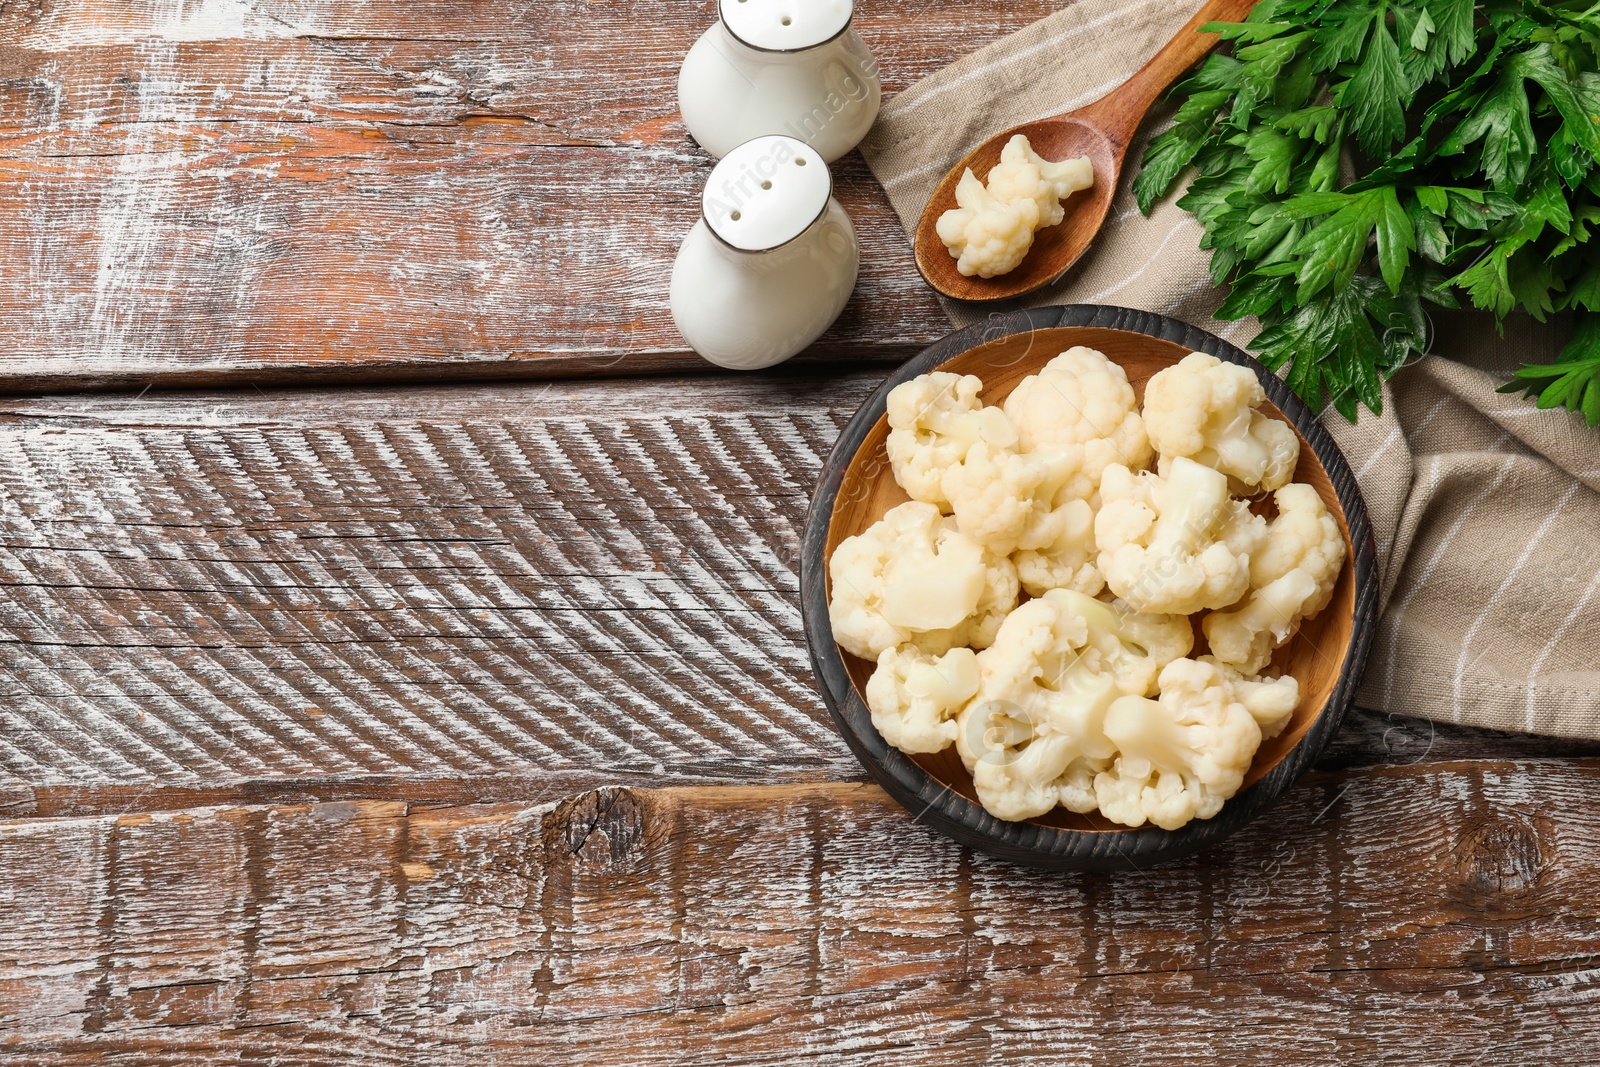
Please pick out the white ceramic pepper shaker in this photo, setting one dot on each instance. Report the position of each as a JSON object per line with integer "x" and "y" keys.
{"x": 772, "y": 261}
{"x": 793, "y": 67}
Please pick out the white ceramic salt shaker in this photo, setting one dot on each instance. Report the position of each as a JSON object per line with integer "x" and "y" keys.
{"x": 793, "y": 67}
{"x": 772, "y": 261}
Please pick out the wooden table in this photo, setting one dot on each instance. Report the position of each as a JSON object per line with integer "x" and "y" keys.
{"x": 470, "y": 723}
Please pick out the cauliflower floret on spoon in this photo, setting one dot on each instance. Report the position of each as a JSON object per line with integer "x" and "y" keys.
{"x": 1022, "y": 172}
{"x": 1017, "y": 179}
{"x": 1032, "y": 735}
{"x": 934, "y": 421}
{"x": 1177, "y": 544}
{"x": 1292, "y": 577}
{"x": 1205, "y": 410}
{"x": 992, "y": 226}
{"x": 1180, "y": 757}
{"x": 987, "y": 235}
{"x": 914, "y": 697}
{"x": 1080, "y": 401}
{"x": 914, "y": 578}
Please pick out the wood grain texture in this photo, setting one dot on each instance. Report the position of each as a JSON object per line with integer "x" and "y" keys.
{"x": 573, "y": 578}
{"x": 1389, "y": 915}
{"x": 197, "y": 191}
{"x": 1367, "y": 739}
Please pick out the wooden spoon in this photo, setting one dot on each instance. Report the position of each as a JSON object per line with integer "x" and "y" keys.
{"x": 1102, "y": 131}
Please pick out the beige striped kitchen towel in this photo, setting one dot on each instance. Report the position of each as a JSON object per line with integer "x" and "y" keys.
{"x": 1486, "y": 511}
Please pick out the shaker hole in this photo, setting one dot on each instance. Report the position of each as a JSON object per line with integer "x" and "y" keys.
{"x": 799, "y": 162}
{"x": 766, "y": 185}
{"x": 787, "y": 21}
{"x": 736, "y": 216}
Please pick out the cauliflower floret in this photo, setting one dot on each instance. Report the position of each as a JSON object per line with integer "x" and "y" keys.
{"x": 914, "y": 697}
{"x": 987, "y": 235}
{"x": 1270, "y": 700}
{"x": 1022, "y": 174}
{"x": 914, "y": 578}
{"x": 1017, "y": 179}
{"x": 1032, "y": 736}
{"x": 1075, "y": 787}
{"x": 1129, "y": 645}
{"x": 1067, "y": 561}
{"x": 999, "y": 596}
{"x": 1292, "y": 577}
{"x": 1065, "y": 178}
{"x": 1204, "y": 409}
{"x": 1044, "y": 772}
{"x": 1175, "y": 544}
{"x": 1005, "y": 500}
{"x": 1178, "y": 757}
{"x": 1303, "y": 536}
{"x": 991, "y": 229}
{"x": 1081, "y": 400}
{"x": 934, "y": 420}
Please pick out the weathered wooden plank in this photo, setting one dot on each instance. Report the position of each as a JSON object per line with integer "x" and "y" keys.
{"x": 323, "y": 258}
{"x": 301, "y": 594}
{"x": 1368, "y": 739}
{"x": 573, "y": 72}
{"x": 834, "y": 394}
{"x": 1383, "y": 914}
{"x": 197, "y": 192}
{"x": 398, "y": 592}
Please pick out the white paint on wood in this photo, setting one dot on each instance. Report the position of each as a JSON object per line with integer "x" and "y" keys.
{"x": 215, "y": 603}
{"x": 185, "y": 21}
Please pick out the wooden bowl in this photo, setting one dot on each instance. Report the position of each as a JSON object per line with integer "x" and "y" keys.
{"x": 1327, "y": 654}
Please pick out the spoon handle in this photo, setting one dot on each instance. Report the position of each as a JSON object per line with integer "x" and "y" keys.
{"x": 1118, "y": 114}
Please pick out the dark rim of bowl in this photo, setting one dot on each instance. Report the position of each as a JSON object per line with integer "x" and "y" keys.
{"x": 937, "y": 804}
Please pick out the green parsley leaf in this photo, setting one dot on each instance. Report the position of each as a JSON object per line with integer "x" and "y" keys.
{"x": 1168, "y": 155}
{"x": 1501, "y": 120}
{"x": 1311, "y": 123}
{"x": 1453, "y": 34}
{"x": 1397, "y": 238}
{"x": 1342, "y": 34}
{"x": 1573, "y": 381}
{"x": 1376, "y": 95}
{"x": 1583, "y": 291}
{"x": 1423, "y": 33}
{"x": 1336, "y": 246}
{"x": 1577, "y": 99}
{"x": 1428, "y": 227}
{"x": 1273, "y": 153}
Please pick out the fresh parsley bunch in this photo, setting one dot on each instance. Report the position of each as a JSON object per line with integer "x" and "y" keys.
{"x": 1474, "y": 129}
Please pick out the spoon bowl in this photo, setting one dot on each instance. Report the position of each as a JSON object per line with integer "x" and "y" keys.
{"x": 1055, "y": 248}
{"x": 1102, "y": 131}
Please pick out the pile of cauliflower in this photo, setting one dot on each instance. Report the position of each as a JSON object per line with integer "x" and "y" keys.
{"x": 992, "y": 227}
{"x": 1082, "y": 692}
